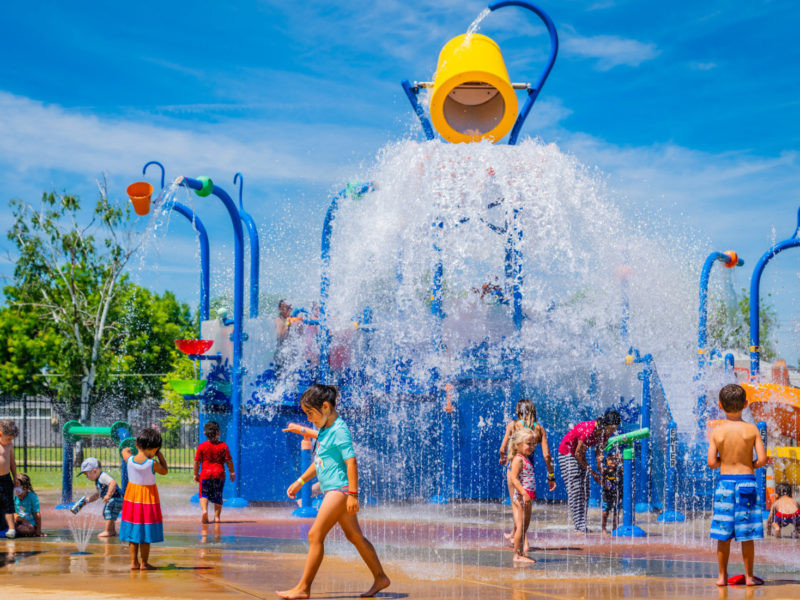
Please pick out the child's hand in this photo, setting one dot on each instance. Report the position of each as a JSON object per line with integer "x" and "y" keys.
{"x": 233, "y": 476}
{"x": 106, "y": 499}
{"x": 352, "y": 504}
{"x": 293, "y": 489}
{"x": 197, "y": 478}
{"x": 551, "y": 484}
{"x": 503, "y": 458}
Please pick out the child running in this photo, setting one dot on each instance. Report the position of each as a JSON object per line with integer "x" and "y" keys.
{"x": 108, "y": 490}
{"x": 214, "y": 455}
{"x": 526, "y": 419}
{"x": 335, "y": 466}
{"x": 8, "y": 474}
{"x": 785, "y": 511}
{"x": 522, "y": 478}
{"x": 737, "y": 514}
{"x": 141, "y": 509}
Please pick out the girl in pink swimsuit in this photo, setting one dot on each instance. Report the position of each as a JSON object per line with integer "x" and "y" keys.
{"x": 522, "y": 478}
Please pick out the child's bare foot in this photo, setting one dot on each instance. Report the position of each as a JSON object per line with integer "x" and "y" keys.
{"x": 753, "y": 580}
{"x": 722, "y": 580}
{"x": 134, "y": 566}
{"x": 148, "y": 567}
{"x": 107, "y": 534}
{"x": 295, "y": 592}
{"x": 379, "y": 584}
{"x": 521, "y": 558}
{"x": 204, "y": 518}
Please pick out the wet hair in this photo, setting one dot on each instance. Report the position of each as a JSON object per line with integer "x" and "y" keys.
{"x": 148, "y": 439}
{"x": 211, "y": 429}
{"x": 315, "y": 396}
{"x": 282, "y": 302}
{"x": 526, "y": 411}
{"x": 520, "y": 435}
{"x": 9, "y": 427}
{"x": 25, "y": 482}
{"x": 783, "y": 489}
{"x": 732, "y": 398}
{"x": 610, "y": 417}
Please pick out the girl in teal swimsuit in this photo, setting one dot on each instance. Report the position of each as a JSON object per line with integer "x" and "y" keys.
{"x": 335, "y": 467}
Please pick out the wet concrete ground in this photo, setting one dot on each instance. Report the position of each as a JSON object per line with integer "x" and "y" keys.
{"x": 429, "y": 552}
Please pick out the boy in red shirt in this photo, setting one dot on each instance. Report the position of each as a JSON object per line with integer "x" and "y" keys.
{"x": 214, "y": 455}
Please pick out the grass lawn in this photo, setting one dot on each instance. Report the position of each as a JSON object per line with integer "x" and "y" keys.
{"x": 49, "y": 479}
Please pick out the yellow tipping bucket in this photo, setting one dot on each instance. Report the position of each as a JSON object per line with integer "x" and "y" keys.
{"x": 472, "y": 95}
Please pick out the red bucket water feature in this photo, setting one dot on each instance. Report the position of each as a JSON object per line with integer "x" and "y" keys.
{"x": 194, "y": 346}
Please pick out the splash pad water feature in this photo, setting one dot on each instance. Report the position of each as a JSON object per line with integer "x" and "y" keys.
{"x": 457, "y": 280}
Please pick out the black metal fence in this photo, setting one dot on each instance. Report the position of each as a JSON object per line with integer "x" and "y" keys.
{"x": 40, "y": 422}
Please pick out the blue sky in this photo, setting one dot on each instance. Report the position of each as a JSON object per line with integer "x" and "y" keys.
{"x": 691, "y": 108}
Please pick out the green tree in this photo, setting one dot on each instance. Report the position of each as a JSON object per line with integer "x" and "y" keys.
{"x": 78, "y": 330}
{"x": 729, "y": 325}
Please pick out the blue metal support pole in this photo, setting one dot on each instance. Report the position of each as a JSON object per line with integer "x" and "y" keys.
{"x": 202, "y": 236}
{"x": 628, "y": 528}
{"x": 761, "y": 474}
{"x": 533, "y": 92}
{"x": 234, "y": 432}
{"x": 643, "y": 503}
{"x": 671, "y": 514}
{"x": 755, "y": 283}
{"x": 701, "y": 412}
{"x": 324, "y": 284}
{"x": 305, "y": 510}
{"x": 411, "y": 92}
{"x": 66, "y": 475}
{"x": 252, "y": 233}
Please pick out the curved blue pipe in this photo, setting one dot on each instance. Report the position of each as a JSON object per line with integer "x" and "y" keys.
{"x": 702, "y": 329}
{"x": 324, "y": 284}
{"x": 755, "y": 283}
{"x": 234, "y": 433}
{"x": 252, "y": 233}
{"x": 533, "y": 93}
{"x": 202, "y": 236}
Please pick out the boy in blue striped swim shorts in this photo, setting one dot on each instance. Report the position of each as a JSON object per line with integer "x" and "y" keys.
{"x": 737, "y": 514}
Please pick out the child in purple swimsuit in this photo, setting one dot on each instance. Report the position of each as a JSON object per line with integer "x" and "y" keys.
{"x": 521, "y": 477}
{"x": 784, "y": 512}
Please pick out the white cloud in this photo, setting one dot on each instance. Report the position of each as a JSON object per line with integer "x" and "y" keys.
{"x": 703, "y": 66}
{"x": 35, "y": 136}
{"x": 609, "y": 50}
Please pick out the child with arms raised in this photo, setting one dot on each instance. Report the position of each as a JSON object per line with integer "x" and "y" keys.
{"x": 141, "y": 508}
{"x": 335, "y": 467}
{"x": 737, "y": 514}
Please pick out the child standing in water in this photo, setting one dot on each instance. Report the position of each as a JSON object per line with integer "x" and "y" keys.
{"x": 8, "y": 474}
{"x": 335, "y": 467}
{"x": 141, "y": 508}
{"x": 785, "y": 511}
{"x": 522, "y": 479}
{"x": 213, "y": 455}
{"x": 737, "y": 514}
{"x": 612, "y": 491}
{"x": 526, "y": 419}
